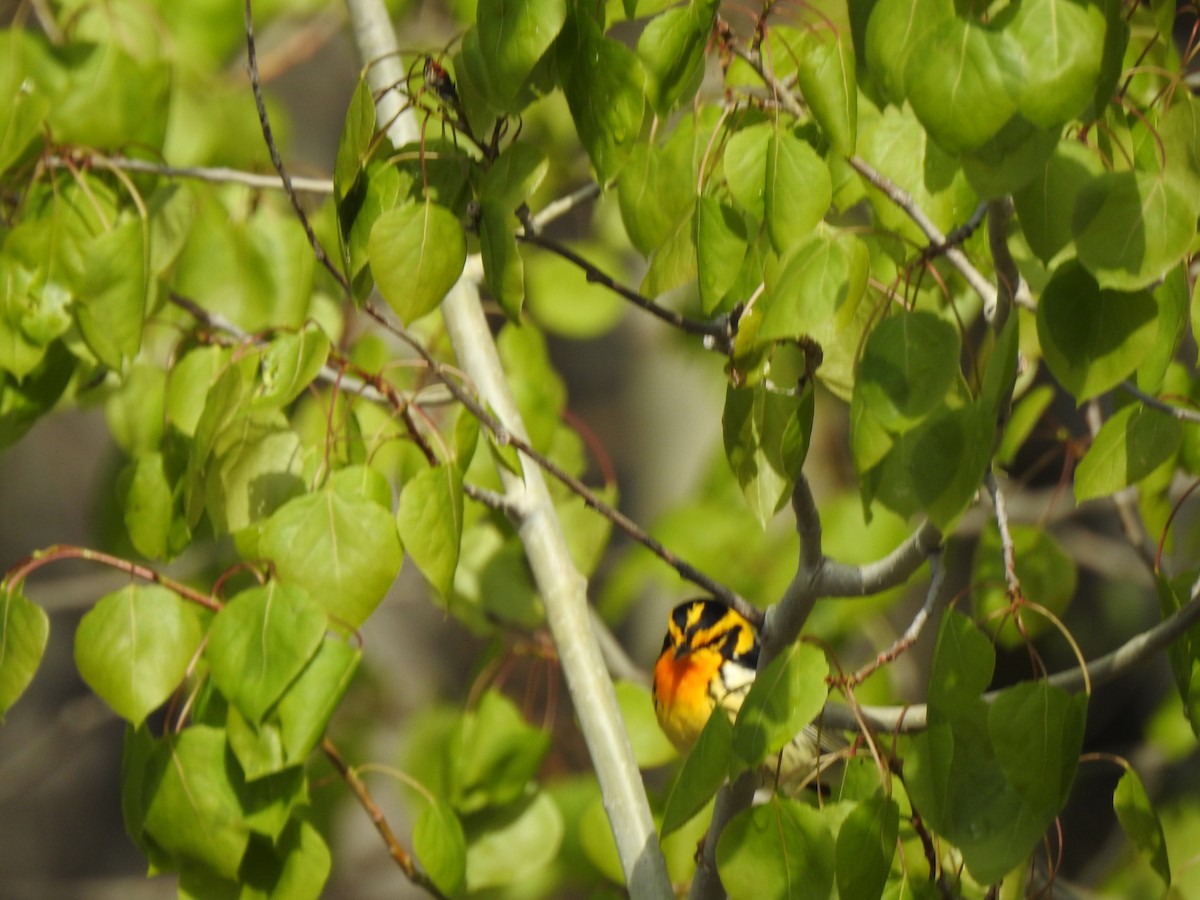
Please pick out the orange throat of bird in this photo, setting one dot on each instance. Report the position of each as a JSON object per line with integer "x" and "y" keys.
{"x": 683, "y": 698}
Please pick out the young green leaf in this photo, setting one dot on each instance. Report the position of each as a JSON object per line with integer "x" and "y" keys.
{"x": 417, "y": 252}
{"x": 909, "y": 364}
{"x": 1092, "y": 338}
{"x": 766, "y": 439}
{"x": 495, "y": 755}
{"x": 720, "y": 249}
{"x": 604, "y": 88}
{"x": 430, "y": 521}
{"x": 745, "y": 165}
{"x": 288, "y": 365}
{"x": 866, "y": 845}
{"x": 309, "y": 703}
{"x": 502, "y": 264}
{"x": 1132, "y": 805}
{"x": 260, "y": 641}
{"x": 339, "y": 543}
{"x": 513, "y": 37}
{"x": 1131, "y": 227}
{"x": 510, "y": 845}
{"x": 441, "y": 846}
{"x": 1134, "y": 441}
{"x": 672, "y": 49}
{"x": 24, "y": 631}
{"x": 134, "y": 646}
{"x": 827, "y": 80}
{"x": 782, "y": 850}
{"x": 797, "y": 193}
{"x": 819, "y": 284}
{"x": 704, "y": 770}
{"x": 785, "y": 697}
{"x": 193, "y": 810}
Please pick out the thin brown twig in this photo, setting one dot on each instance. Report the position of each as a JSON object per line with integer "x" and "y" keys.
{"x": 18, "y": 573}
{"x": 412, "y": 871}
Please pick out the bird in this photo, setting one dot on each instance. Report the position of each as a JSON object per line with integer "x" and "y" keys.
{"x": 708, "y": 661}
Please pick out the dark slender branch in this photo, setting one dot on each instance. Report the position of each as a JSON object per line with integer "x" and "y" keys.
{"x": 718, "y": 333}
{"x": 18, "y": 573}
{"x": 1179, "y": 412}
{"x": 413, "y": 872}
{"x": 277, "y": 160}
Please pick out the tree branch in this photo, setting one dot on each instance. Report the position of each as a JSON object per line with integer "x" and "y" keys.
{"x": 1132, "y": 653}
{"x": 403, "y": 858}
{"x": 213, "y": 175}
{"x": 563, "y": 588}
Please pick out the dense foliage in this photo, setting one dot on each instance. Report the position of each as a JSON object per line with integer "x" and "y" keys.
{"x": 949, "y": 240}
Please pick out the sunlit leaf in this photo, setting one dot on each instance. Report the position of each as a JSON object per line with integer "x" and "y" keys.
{"x": 782, "y": 849}
{"x": 134, "y": 647}
{"x": 260, "y": 641}
{"x": 24, "y": 629}
{"x": 417, "y": 252}
{"x": 1129, "y": 446}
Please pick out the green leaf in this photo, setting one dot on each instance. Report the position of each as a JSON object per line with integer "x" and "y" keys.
{"x": 1172, "y": 298}
{"x": 827, "y": 80}
{"x": 288, "y": 365}
{"x": 990, "y": 778}
{"x": 113, "y": 286}
{"x": 147, "y": 497}
{"x": 495, "y": 755}
{"x": 1131, "y": 227}
{"x": 704, "y": 770}
{"x": 339, "y": 543}
{"x": 430, "y": 519}
{"x": 134, "y": 647}
{"x": 820, "y": 284}
{"x": 441, "y": 846}
{"x": 798, "y": 190}
{"x": 354, "y": 143}
{"x": 1010, "y": 159}
{"x": 517, "y": 172}
{"x": 604, "y": 89}
{"x": 957, "y": 77}
{"x": 1047, "y": 574}
{"x": 1131, "y": 803}
{"x": 417, "y": 252}
{"x": 895, "y": 28}
{"x": 513, "y": 37}
{"x": 296, "y": 866}
{"x": 786, "y": 696}
{"x": 1062, "y": 42}
{"x": 1037, "y": 732}
{"x": 650, "y": 746}
{"x": 309, "y": 703}
{"x": 1046, "y": 205}
{"x": 866, "y": 845}
{"x": 255, "y": 469}
{"x": 1134, "y": 442}
{"x": 502, "y": 265}
{"x": 909, "y": 364}
{"x": 193, "y": 811}
{"x": 745, "y": 164}
{"x": 1092, "y": 338}
{"x": 24, "y": 630}
{"x": 671, "y": 48}
{"x": 512, "y": 844}
{"x": 260, "y": 641}
{"x": 720, "y": 249}
{"x": 782, "y": 849}
{"x": 655, "y": 192}
{"x": 766, "y": 439}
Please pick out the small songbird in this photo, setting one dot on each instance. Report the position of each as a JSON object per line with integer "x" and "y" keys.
{"x": 709, "y": 660}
